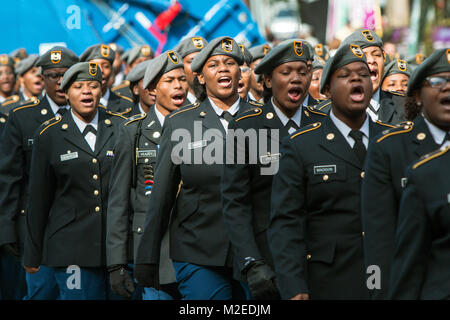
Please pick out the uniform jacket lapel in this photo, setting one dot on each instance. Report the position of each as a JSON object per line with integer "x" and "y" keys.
{"x": 44, "y": 112}
{"x": 72, "y": 133}
{"x": 338, "y": 145}
{"x": 104, "y": 132}
{"x": 210, "y": 120}
{"x": 151, "y": 128}
{"x": 422, "y": 141}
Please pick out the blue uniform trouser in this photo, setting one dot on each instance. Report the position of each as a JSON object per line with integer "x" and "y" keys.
{"x": 12, "y": 278}
{"x": 197, "y": 282}
{"x": 80, "y": 283}
{"x": 42, "y": 285}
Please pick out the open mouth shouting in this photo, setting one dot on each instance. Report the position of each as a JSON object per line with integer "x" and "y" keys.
{"x": 357, "y": 94}
{"x": 87, "y": 102}
{"x": 445, "y": 101}
{"x": 295, "y": 94}
{"x": 373, "y": 73}
{"x": 224, "y": 82}
{"x": 178, "y": 98}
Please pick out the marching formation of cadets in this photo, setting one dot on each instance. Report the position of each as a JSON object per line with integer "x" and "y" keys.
{"x": 348, "y": 196}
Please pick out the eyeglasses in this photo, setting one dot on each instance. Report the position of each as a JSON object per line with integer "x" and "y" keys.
{"x": 54, "y": 76}
{"x": 245, "y": 69}
{"x": 437, "y": 82}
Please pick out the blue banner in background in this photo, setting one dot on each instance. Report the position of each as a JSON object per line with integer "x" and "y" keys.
{"x": 37, "y": 25}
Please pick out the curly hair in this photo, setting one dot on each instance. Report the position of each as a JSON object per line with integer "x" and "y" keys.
{"x": 412, "y": 109}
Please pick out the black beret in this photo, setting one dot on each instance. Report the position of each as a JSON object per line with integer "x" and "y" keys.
{"x": 81, "y": 71}
{"x": 396, "y": 66}
{"x": 190, "y": 45}
{"x": 116, "y": 47}
{"x": 57, "y": 57}
{"x": 6, "y": 60}
{"x": 165, "y": 62}
{"x": 219, "y": 46}
{"x": 438, "y": 61}
{"x": 138, "y": 71}
{"x": 98, "y": 51}
{"x": 20, "y": 53}
{"x": 26, "y": 64}
{"x": 286, "y": 51}
{"x": 364, "y": 38}
{"x": 417, "y": 59}
{"x": 259, "y": 51}
{"x": 137, "y": 52}
{"x": 345, "y": 54}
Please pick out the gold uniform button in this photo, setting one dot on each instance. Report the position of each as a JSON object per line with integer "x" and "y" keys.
{"x": 96, "y": 192}
{"x": 97, "y": 209}
{"x": 330, "y": 136}
{"x": 362, "y": 174}
{"x": 363, "y": 233}
{"x": 94, "y": 160}
{"x": 421, "y": 136}
{"x": 95, "y": 177}
{"x": 325, "y": 177}
{"x": 139, "y": 230}
{"x": 308, "y": 256}
{"x": 22, "y": 211}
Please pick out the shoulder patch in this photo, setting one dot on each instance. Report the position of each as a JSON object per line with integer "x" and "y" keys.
{"x": 186, "y": 108}
{"x": 430, "y": 156}
{"x": 385, "y": 124}
{"x": 10, "y": 100}
{"x": 315, "y": 111}
{"x": 123, "y": 97}
{"x": 47, "y": 124}
{"x": 124, "y": 84}
{"x": 136, "y": 117}
{"x": 250, "y": 113}
{"x": 30, "y": 104}
{"x": 395, "y": 130}
{"x": 112, "y": 113}
{"x": 306, "y": 129}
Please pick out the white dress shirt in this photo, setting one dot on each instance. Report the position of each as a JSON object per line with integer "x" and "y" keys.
{"x": 375, "y": 103}
{"x": 160, "y": 116}
{"x": 90, "y": 137}
{"x": 54, "y": 106}
{"x": 105, "y": 98}
{"x": 297, "y": 117}
{"x": 345, "y": 130}
{"x": 437, "y": 134}
{"x": 233, "y": 110}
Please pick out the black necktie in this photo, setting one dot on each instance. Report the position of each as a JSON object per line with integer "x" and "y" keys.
{"x": 61, "y": 111}
{"x": 88, "y": 129}
{"x": 359, "y": 147}
{"x": 291, "y": 124}
{"x": 227, "y": 116}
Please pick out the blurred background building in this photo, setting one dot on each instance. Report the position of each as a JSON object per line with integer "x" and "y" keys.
{"x": 406, "y": 26}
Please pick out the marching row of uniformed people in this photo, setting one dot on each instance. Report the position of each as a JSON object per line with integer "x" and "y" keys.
{"x": 141, "y": 194}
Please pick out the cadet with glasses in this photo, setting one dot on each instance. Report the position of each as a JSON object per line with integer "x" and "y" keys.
{"x": 390, "y": 154}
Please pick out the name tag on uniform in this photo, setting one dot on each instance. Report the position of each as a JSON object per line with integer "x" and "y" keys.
{"x": 268, "y": 158}
{"x": 110, "y": 153}
{"x": 197, "y": 144}
{"x": 30, "y": 142}
{"x": 69, "y": 156}
{"x": 403, "y": 182}
{"x": 146, "y": 153}
{"x": 331, "y": 168}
